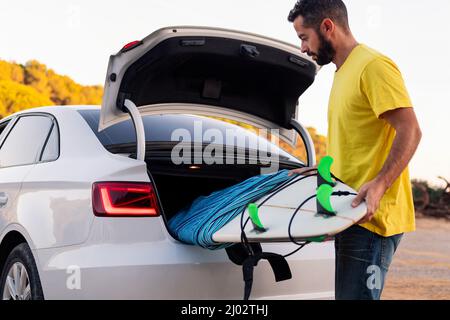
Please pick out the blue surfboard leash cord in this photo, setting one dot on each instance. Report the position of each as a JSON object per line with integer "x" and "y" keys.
{"x": 207, "y": 214}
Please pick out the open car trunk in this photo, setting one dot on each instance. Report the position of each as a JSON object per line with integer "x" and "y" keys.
{"x": 179, "y": 185}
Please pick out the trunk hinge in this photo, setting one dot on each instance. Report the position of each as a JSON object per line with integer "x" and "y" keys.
{"x": 307, "y": 140}
{"x": 139, "y": 128}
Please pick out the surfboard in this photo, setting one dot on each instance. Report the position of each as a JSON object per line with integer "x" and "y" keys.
{"x": 275, "y": 215}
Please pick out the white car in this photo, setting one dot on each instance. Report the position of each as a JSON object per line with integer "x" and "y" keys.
{"x": 83, "y": 212}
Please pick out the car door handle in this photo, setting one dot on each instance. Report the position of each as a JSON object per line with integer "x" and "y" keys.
{"x": 3, "y": 199}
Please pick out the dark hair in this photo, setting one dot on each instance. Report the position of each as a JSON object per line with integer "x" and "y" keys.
{"x": 315, "y": 11}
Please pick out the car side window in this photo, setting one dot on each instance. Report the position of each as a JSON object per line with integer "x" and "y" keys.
{"x": 24, "y": 142}
{"x": 51, "y": 149}
{"x": 3, "y": 126}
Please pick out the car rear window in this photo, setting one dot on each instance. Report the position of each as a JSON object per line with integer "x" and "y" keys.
{"x": 160, "y": 128}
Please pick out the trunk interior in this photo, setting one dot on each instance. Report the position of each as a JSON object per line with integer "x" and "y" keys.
{"x": 179, "y": 185}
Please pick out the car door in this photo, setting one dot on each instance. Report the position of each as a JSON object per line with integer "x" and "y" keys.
{"x": 5, "y": 126}
{"x": 21, "y": 143}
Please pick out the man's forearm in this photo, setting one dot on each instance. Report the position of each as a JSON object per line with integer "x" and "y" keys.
{"x": 403, "y": 148}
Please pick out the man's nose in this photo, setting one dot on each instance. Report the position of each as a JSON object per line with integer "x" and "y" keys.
{"x": 303, "y": 48}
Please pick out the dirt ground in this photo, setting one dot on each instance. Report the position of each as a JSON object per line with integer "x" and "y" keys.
{"x": 421, "y": 266}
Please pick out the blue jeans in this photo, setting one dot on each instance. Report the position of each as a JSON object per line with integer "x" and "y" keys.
{"x": 362, "y": 262}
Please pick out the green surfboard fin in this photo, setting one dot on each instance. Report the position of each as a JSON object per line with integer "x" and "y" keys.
{"x": 324, "y": 192}
{"x": 317, "y": 239}
{"x": 324, "y": 172}
{"x": 254, "y": 217}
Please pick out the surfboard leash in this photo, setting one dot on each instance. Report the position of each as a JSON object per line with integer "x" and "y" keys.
{"x": 278, "y": 262}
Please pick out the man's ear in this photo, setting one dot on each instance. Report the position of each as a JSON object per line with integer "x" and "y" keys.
{"x": 327, "y": 26}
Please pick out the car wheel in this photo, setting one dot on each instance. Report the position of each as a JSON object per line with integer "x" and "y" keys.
{"x": 20, "y": 278}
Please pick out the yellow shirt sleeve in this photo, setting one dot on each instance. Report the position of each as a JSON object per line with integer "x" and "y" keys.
{"x": 383, "y": 85}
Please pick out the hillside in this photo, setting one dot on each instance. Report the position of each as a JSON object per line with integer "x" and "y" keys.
{"x": 33, "y": 85}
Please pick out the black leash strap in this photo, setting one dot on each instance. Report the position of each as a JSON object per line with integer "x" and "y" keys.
{"x": 280, "y": 268}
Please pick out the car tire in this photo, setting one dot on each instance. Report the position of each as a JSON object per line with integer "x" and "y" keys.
{"x": 20, "y": 259}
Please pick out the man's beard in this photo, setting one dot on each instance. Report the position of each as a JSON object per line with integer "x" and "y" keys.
{"x": 326, "y": 52}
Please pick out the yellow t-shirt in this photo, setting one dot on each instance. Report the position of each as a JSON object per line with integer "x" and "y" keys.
{"x": 365, "y": 86}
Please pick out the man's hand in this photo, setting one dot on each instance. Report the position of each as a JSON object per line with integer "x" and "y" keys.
{"x": 371, "y": 192}
{"x": 301, "y": 170}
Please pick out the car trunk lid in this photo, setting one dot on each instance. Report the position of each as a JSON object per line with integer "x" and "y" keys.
{"x": 208, "y": 71}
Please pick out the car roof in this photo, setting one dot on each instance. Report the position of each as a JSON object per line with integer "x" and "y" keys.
{"x": 53, "y": 109}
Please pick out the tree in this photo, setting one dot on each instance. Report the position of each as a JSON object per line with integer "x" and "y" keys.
{"x": 15, "y": 97}
{"x": 33, "y": 85}
{"x": 11, "y": 71}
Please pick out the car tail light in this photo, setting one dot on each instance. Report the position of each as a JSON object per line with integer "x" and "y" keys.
{"x": 124, "y": 199}
{"x": 131, "y": 45}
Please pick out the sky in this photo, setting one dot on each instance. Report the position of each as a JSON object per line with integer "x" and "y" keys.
{"x": 76, "y": 38}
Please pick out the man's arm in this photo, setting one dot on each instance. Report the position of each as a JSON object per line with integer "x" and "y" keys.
{"x": 407, "y": 138}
